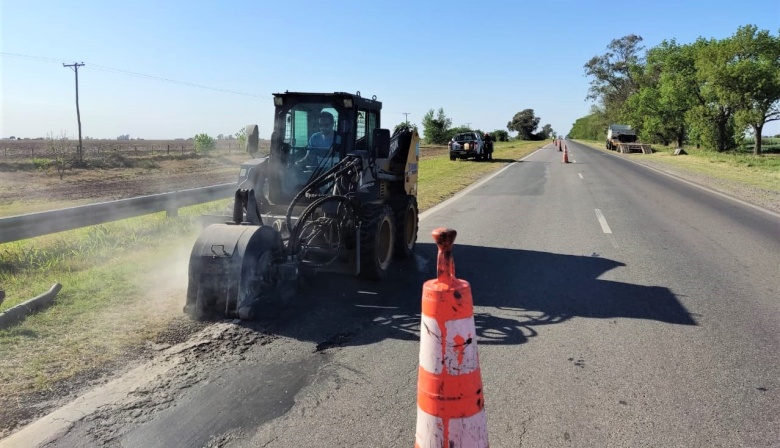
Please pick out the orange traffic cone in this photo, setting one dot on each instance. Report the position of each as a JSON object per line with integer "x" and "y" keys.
{"x": 565, "y": 154}
{"x": 450, "y": 402}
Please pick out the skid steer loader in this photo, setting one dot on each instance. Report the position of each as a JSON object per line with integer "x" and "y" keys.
{"x": 350, "y": 208}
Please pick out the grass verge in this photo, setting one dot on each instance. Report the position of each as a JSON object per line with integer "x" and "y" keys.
{"x": 758, "y": 171}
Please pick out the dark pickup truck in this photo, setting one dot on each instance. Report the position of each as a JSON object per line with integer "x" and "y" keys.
{"x": 466, "y": 145}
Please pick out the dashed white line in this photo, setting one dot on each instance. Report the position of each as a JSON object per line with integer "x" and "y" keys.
{"x": 580, "y": 174}
{"x": 603, "y": 222}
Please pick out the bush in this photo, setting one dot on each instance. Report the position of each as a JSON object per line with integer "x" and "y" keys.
{"x": 41, "y": 164}
{"x": 204, "y": 143}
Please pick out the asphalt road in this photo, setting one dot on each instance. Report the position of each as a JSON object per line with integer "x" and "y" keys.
{"x": 615, "y": 306}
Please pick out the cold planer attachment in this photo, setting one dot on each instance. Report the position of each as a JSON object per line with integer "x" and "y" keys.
{"x": 230, "y": 266}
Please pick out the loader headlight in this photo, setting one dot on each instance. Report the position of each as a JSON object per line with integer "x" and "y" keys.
{"x": 278, "y": 101}
{"x": 348, "y": 103}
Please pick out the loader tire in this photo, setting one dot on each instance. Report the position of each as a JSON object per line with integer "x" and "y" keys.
{"x": 377, "y": 240}
{"x": 406, "y": 226}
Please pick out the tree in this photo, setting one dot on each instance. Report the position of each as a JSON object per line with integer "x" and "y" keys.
{"x": 404, "y": 125}
{"x": 712, "y": 117}
{"x": 500, "y": 135}
{"x": 241, "y": 138}
{"x": 546, "y": 132}
{"x": 204, "y": 143}
{"x": 753, "y": 79}
{"x": 524, "y": 123}
{"x": 435, "y": 128}
{"x": 58, "y": 149}
{"x": 590, "y": 127}
{"x": 614, "y": 74}
{"x": 665, "y": 94}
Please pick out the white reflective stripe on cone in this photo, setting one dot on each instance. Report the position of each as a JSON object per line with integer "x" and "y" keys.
{"x": 461, "y": 356}
{"x": 469, "y": 432}
{"x": 430, "y": 431}
{"x": 430, "y": 345}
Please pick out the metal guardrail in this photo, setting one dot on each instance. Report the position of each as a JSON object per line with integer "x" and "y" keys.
{"x": 16, "y": 228}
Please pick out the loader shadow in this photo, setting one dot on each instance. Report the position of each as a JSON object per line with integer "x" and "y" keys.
{"x": 515, "y": 292}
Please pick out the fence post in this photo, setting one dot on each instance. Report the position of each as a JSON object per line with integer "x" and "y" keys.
{"x": 182, "y": 149}
{"x": 169, "y": 149}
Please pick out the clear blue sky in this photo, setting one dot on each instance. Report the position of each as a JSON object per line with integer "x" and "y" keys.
{"x": 480, "y": 61}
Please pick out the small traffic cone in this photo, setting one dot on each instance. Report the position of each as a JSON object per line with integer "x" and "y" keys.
{"x": 450, "y": 400}
{"x": 565, "y": 154}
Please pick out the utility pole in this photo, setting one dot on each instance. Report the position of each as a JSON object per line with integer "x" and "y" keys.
{"x": 468, "y": 125}
{"x": 406, "y": 116}
{"x": 75, "y": 66}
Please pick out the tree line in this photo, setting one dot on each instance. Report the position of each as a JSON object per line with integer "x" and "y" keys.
{"x": 709, "y": 93}
{"x": 438, "y": 129}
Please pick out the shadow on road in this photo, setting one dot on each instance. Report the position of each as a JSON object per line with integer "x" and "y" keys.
{"x": 497, "y": 160}
{"x": 514, "y": 292}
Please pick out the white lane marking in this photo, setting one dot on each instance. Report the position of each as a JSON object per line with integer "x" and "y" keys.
{"x": 368, "y": 292}
{"x": 462, "y": 193}
{"x": 580, "y": 174}
{"x": 603, "y": 222}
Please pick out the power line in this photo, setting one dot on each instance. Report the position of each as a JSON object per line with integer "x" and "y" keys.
{"x": 104, "y": 68}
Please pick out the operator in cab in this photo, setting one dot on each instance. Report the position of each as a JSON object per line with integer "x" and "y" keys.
{"x": 319, "y": 142}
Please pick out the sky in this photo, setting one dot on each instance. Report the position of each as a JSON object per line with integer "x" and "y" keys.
{"x": 172, "y": 69}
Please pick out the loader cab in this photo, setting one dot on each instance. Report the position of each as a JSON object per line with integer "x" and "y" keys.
{"x": 314, "y": 131}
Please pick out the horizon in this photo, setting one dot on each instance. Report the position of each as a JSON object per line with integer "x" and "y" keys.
{"x": 205, "y": 68}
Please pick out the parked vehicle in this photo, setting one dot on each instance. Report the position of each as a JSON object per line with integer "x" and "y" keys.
{"x": 467, "y": 145}
{"x": 622, "y": 138}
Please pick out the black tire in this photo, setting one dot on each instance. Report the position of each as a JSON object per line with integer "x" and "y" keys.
{"x": 406, "y": 226}
{"x": 452, "y": 157}
{"x": 377, "y": 240}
